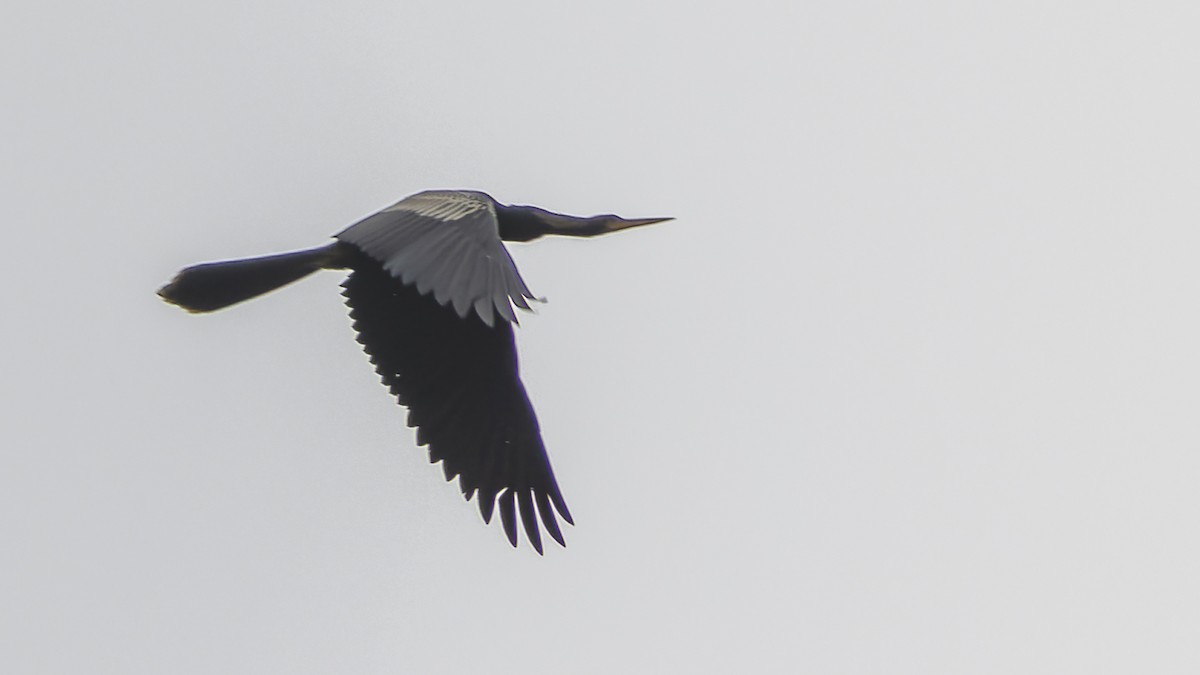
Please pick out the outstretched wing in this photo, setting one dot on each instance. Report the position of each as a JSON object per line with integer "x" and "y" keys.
{"x": 448, "y": 243}
{"x": 459, "y": 379}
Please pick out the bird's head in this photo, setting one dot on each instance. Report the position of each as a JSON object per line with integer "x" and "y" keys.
{"x": 522, "y": 223}
{"x": 594, "y": 225}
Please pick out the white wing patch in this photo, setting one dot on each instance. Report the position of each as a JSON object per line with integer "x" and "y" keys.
{"x": 443, "y": 205}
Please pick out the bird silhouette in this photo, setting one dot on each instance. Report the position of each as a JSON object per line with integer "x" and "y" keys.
{"x": 431, "y": 292}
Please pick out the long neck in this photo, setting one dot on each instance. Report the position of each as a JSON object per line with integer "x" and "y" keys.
{"x": 519, "y": 223}
{"x": 523, "y": 223}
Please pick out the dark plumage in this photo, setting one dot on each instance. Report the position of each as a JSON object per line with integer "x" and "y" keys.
{"x": 429, "y": 277}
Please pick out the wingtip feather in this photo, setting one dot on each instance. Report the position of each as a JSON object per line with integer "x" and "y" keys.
{"x": 507, "y": 516}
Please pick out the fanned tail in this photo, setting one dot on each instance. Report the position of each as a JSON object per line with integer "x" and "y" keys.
{"x": 212, "y": 286}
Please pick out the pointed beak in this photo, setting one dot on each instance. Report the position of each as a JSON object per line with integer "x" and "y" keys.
{"x": 615, "y": 223}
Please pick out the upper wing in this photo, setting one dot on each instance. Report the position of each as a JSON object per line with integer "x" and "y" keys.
{"x": 458, "y": 377}
{"x": 447, "y": 242}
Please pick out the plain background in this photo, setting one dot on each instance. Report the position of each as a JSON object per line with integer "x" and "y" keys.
{"x": 909, "y": 386}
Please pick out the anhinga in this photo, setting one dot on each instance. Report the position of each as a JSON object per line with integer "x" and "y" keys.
{"x": 428, "y": 279}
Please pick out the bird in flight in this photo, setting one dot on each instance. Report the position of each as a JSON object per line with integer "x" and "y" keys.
{"x": 431, "y": 292}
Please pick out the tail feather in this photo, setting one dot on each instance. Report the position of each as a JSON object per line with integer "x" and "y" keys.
{"x": 213, "y": 286}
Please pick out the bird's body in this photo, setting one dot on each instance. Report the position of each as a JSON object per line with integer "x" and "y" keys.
{"x": 431, "y": 291}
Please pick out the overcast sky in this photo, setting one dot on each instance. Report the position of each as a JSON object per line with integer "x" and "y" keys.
{"x": 909, "y": 386}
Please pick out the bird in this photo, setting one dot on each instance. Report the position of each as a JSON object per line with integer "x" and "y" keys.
{"x": 431, "y": 291}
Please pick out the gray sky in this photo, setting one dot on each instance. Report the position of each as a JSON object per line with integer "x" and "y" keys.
{"x": 908, "y": 387}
